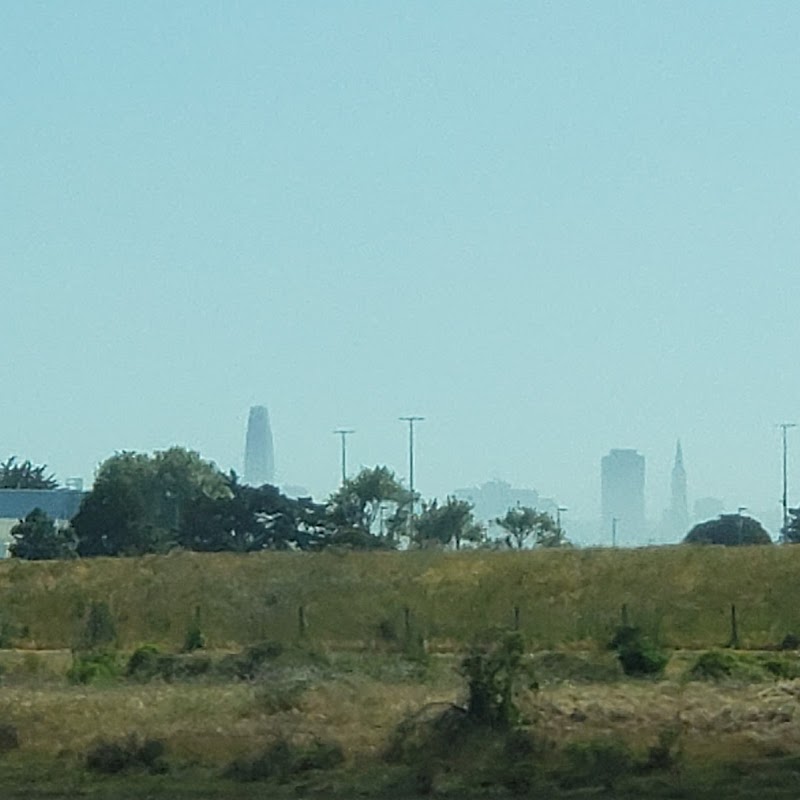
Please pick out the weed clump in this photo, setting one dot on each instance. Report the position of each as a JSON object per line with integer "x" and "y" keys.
{"x": 718, "y": 665}
{"x": 598, "y": 761}
{"x": 638, "y": 655}
{"x": 110, "y": 757}
{"x": 195, "y": 639}
{"x": 9, "y": 737}
{"x": 99, "y": 666}
{"x": 247, "y": 664}
{"x": 282, "y": 759}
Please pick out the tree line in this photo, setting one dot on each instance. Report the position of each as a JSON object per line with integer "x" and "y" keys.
{"x": 153, "y": 503}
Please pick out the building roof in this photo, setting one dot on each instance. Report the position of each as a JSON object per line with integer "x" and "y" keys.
{"x": 56, "y": 503}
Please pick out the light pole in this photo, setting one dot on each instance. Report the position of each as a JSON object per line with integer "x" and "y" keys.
{"x": 411, "y": 420}
{"x": 784, "y": 426}
{"x": 344, "y": 433}
{"x": 739, "y": 511}
{"x": 559, "y": 511}
{"x": 614, "y": 521}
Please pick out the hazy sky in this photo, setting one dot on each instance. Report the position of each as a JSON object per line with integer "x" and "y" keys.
{"x": 550, "y": 228}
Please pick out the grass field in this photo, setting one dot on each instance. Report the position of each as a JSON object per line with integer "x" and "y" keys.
{"x": 352, "y": 671}
{"x": 680, "y": 595}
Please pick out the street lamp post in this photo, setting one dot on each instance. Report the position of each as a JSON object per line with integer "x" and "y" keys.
{"x": 739, "y": 512}
{"x": 559, "y": 511}
{"x": 784, "y": 426}
{"x": 344, "y": 433}
{"x": 411, "y": 420}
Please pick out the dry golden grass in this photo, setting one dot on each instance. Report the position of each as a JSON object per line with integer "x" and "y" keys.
{"x": 680, "y": 594}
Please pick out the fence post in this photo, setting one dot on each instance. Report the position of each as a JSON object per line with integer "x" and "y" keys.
{"x": 624, "y": 616}
{"x": 301, "y": 620}
{"x": 407, "y": 620}
{"x": 734, "y": 641}
{"x": 516, "y": 618}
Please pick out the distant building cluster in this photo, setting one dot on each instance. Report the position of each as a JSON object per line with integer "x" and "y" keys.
{"x": 60, "y": 505}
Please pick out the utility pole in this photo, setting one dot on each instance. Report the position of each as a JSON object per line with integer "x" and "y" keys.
{"x": 344, "y": 433}
{"x": 411, "y": 420}
{"x": 739, "y": 511}
{"x": 784, "y": 426}
{"x": 614, "y": 521}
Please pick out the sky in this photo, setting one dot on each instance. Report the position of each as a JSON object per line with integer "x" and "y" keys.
{"x": 549, "y": 228}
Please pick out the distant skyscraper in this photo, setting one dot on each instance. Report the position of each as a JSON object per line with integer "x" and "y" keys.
{"x": 622, "y": 495}
{"x": 259, "y": 457}
{"x": 679, "y": 505}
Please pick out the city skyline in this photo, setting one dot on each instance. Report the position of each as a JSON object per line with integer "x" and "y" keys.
{"x": 551, "y": 229}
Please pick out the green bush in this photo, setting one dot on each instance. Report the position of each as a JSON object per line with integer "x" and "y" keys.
{"x": 111, "y": 757}
{"x": 638, "y": 654}
{"x": 100, "y": 666}
{"x": 717, "y": 665}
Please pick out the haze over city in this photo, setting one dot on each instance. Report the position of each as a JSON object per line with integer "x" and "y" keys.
{"x": 551, "y": 229}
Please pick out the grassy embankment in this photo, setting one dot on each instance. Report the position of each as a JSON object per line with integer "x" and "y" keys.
{"x": 346, "y": 681}
{"x": 682, "y": 595}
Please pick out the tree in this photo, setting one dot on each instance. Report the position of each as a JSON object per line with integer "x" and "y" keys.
{"x": 522, "y": 522}
{"x": 253, "y": 518}
{"x": 138, "y": 502}
{"x": 25, "y": 476}
{"x": 791, "y": 534}
{"x": 731, "y": 530}
{"x": 450, "y": 523}
{"x": 375, "y": 502}
{"x": 36, "y": 538}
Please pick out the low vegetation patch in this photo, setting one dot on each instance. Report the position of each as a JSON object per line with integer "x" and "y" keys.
{"x": 282, "y": 759}
{"x": 110, "y": 757}
{"x": 719, "y": 665}
{"x": 637, "y": 653}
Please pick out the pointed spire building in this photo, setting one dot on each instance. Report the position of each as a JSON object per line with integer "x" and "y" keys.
{"x": 678, "y": 513}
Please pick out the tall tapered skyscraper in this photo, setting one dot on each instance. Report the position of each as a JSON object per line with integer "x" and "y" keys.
{"x": 259, "y": 456}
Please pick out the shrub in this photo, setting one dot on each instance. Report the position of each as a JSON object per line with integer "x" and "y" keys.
{"x": 194, "y": 640}
{"x": 273, "y": 697}
{"x": 716, "y": 665}
{"x": 131, "y": 753}
{"x": 145, "y": 663}
{"x": 790, "y": 642}
{"x": 667, "y": 752}
{"x": 100, "y": 666}
{"x": 492, "y": 668}
{"x": 637, "y": 654}
{"x": 247, "y": 664}
{"x": 9, "y": 737}
{"x": 282, "y": 759}
{"x": 599, "y": 761}
{"x": 99, "y": 630}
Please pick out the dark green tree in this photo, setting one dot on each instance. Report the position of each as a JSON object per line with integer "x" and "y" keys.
{"x": 36, "y": 538}
{"x": 253, "y": 518}
{"x": 731, "y": 530}
{"x": 522, "y": 523}
{"x": 448, "y": 524}
{"x": 25, "y": 475}
{"x": 374, "y": 502}
{"x": 138, "y": 502}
